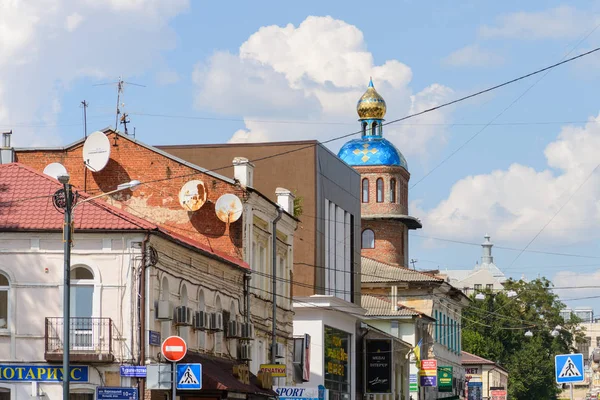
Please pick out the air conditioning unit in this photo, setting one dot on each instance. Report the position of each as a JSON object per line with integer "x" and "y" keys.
{"x": 234, "y": 329}
{"x": 164, "y": 310}
{"x": 183, "y": 316}
{"x": 216, "y": 323}
{"x": 246, "y": 352}
{"x": 247, "y": 331}
{"x": 280, "y": 350}
{"x": 201, "y": 321}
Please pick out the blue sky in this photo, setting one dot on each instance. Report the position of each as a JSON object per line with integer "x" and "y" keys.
{"x": 217, "y": 69}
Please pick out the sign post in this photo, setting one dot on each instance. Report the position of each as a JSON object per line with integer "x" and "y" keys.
{"x": 174, "y": 349}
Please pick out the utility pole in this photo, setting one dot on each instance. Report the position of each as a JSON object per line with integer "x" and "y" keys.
{"x": 274, "y": 290}
{"x": 67, "y": 284}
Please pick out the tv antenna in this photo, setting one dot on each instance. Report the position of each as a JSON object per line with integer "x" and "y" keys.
{"x": 120, "y": 88}
{"x": 413, "y": 261}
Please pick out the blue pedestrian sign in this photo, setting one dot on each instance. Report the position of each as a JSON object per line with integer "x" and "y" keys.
{"x": 569, "y": 368}
{"x": 189, "y": 376}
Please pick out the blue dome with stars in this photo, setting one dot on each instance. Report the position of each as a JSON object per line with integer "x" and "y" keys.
{"x": 371, "y": 148}
{"x": 368, "y": 151}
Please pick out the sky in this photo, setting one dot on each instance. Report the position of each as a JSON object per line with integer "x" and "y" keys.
{"x": 519, "y": 163}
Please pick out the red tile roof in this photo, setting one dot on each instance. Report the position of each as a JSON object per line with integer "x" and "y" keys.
{"x": 26, "y": 205}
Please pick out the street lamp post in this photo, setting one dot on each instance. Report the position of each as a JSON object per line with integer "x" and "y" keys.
{"x": 69, "y": 207}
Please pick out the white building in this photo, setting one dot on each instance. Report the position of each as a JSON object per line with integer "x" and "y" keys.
{"x": 132, "y": 284}
{"x": 484, "y": 276}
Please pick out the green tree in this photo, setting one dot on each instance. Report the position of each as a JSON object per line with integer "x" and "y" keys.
{"x": 494, "y": 328}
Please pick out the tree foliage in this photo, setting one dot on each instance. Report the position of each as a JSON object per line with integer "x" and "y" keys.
{"x": 494, "y": 328}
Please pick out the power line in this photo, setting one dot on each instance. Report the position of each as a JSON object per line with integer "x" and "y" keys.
{"x": 555, "y": 214}
{"x": 435, "y": 108}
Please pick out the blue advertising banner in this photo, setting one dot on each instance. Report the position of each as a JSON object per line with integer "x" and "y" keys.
{"x": 42, "y": 373}
{"x": 474, "y": 390}
{"x": 429, "y": 381}
{"x": 133, "y": 371}
{"x": 116, "y": 393}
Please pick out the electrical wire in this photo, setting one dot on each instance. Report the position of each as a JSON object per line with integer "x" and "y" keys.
{"x": 413, "y": 115}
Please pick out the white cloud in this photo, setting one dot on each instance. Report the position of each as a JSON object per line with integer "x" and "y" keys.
{"x": 313, "y": 72}
{"x": 514, "y": 204}
{"x": 73, "y": 21}
{"x": 562, "y": 22}
{"x": 49, "y": 44}
{"x": 473, "y": 56}
{"x": 574, "y": 279}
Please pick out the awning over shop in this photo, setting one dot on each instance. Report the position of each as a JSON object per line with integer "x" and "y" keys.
{"x": 217, "y": 374}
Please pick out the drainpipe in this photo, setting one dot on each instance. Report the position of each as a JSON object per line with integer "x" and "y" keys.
{"x": 141, "y": 304}
{"x": 274, "y": 275}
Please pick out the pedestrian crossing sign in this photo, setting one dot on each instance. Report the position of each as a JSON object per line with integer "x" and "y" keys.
{"x": 569, "y": 368}
{"x": 189, "y": 376}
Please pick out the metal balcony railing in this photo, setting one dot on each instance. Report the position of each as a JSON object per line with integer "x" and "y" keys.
{"x": 90, "y": 339}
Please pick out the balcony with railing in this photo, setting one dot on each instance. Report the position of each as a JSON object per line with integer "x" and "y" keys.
{"x": 90, "y": 339}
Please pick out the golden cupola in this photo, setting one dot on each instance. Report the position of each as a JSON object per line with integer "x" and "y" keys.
{"x": 371, "y": 105}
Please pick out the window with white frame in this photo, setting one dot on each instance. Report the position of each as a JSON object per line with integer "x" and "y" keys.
{"x": 232, "y": 343}
{"x": 201, "y": 307}
{"x": 165, "y": 326}
{"x": 82, "y": 308}
{"x": 281, "y": 280}
{"x": 339, "y": 248}
{"x": 262, "y": 277}
{"x": 4, "y": 301}
{"x": 184, "y": 331}
{"x": 218, "y": 334}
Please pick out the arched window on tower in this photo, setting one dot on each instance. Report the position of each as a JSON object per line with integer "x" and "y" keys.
{"x": 374, "y": 128}
{"x": 379, "y": 190}
{"x": 392, "y": 190}
{"x": 368, "y": 239}
{"x": 365, "y": 190}
{"x": 364, "y": 128}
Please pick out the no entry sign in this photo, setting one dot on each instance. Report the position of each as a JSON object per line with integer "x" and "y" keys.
{"x": 174, "y": 348}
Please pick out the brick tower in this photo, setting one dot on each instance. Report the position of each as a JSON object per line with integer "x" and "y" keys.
{"x": 384, "y": 185}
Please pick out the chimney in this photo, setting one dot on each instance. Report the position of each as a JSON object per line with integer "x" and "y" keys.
{"x": 243, "y": 171}
{"x": 285, "y": 199}
{"x": 486, "y": 257}
{"x": 7, "y": 153}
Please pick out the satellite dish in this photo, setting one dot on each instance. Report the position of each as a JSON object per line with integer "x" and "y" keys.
{"x": 228, "y": 208}
{"x": 192, "y": 195}
{"x": 55, "y": 170}
{"x": 96, "y": 151}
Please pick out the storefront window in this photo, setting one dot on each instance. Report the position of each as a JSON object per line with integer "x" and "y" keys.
{"x": 79, "y": 396}
{"x": 337, "y": 363}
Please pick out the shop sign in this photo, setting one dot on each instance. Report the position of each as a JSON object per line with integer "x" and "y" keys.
{"x": 276, "y": 370}
{"x": 242, "y": 373}
{"x": 337, "y": 348}
{"x": 475, "y": 389}
{"x": 413, "y": 383}
{"x": 444, "y": 379}
{"x": 498, "y": 395}
{"x": 42, "y": 373}
{"x": 379, "y": 366}
{"x": 116, "y": 393}
{"x": 296, "y": 393}
{"x": 428, "y": 368}
{"x": 134, "y": 371}
{"x": 429, "y": 381}
{"x": 154, "y": 338}
{"x": 265, "y": 379}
